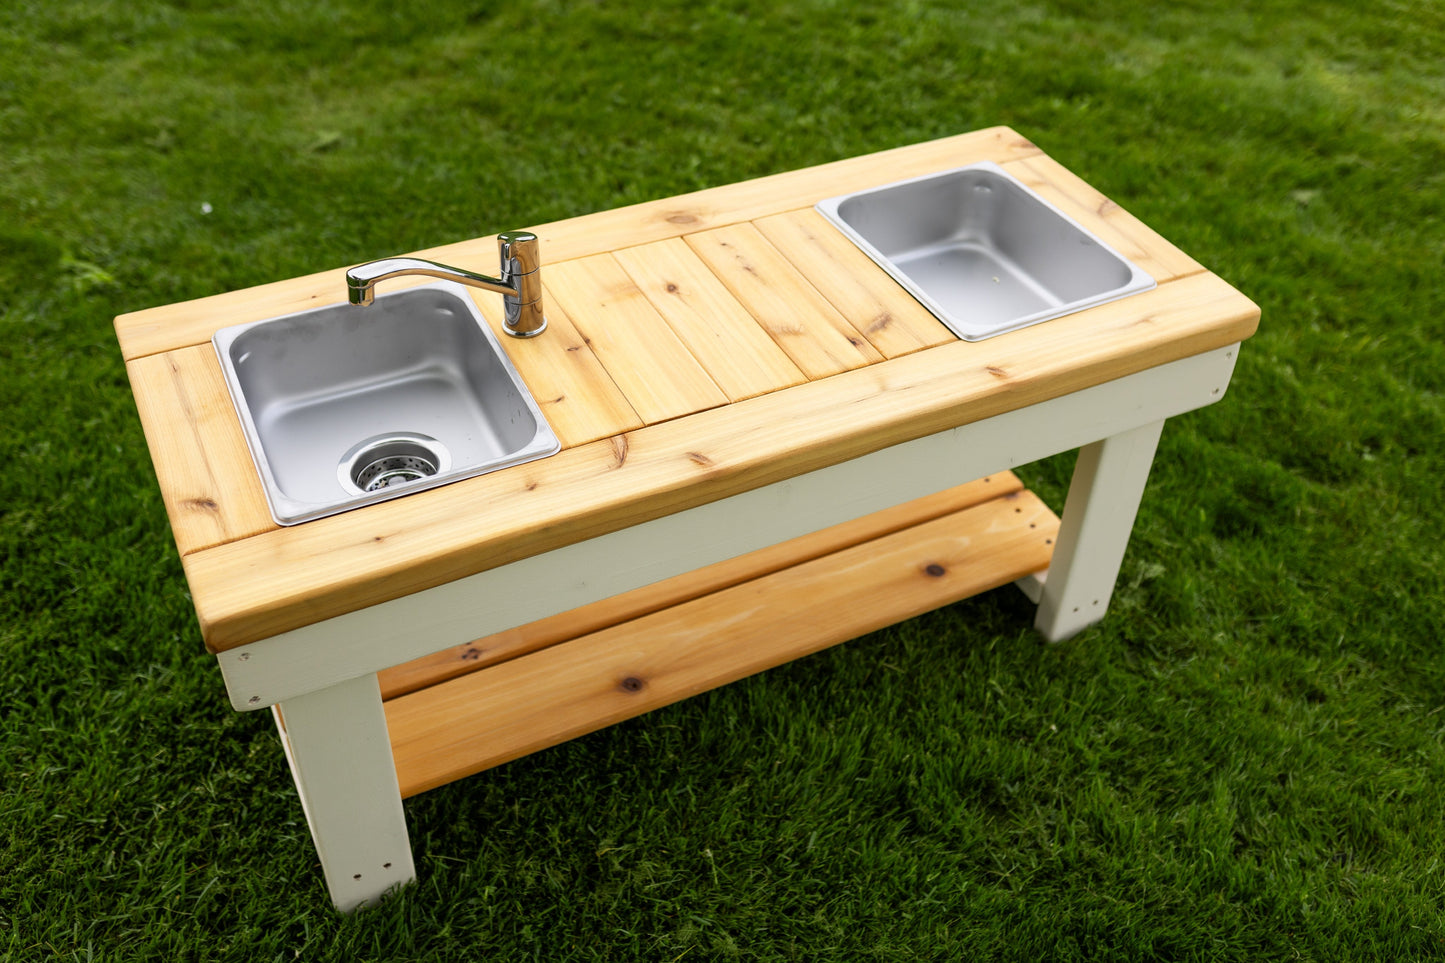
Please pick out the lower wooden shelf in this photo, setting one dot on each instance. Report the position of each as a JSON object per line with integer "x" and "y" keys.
{"x": 450, "y": 716}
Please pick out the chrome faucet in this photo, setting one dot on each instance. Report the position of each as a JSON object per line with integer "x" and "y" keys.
{"x": 520, "y": 284}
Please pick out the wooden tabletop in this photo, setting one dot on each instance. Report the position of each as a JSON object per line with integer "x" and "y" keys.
{"x": 698, "y": 347}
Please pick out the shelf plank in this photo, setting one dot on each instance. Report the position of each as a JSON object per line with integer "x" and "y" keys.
{"x": 490, "y": 717}
{"x": 504, "y": 646}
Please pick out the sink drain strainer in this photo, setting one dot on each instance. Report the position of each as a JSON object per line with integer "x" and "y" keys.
{"x": 385, "y": 462}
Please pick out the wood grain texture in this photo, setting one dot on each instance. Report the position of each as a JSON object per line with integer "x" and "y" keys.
{"x": 211, "y": 490}
{"x": 507, "y": 711}
{"x": 739, "y": 355}
{"x": 804, "y": 324}
{"x": 178, "y": 325}
{"x": 577, "y": 396}
{"x": 505, "y": 646}
{"x": 282, "y": 579}
{"x": 656, "y": 373}
{"x": 871, "y": 301}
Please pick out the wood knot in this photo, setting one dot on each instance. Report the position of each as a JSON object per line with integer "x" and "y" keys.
{"x": 203, "y": 504}
{"x": 879, "y": 323}
{"x": 619, "y": 449}
{"x": 936, "y": 570}
{"x": 996, "y": 371}
{"x": 682, "y": 217}
{"x": 632, "y": 684}
{"x": 671, "y": 288}
{"x": 472, "y": 654}
{"x": 698, "y": 458}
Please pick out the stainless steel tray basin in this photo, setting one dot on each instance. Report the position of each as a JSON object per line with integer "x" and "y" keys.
{"x": 983, "y": 252}
{"x": 344, "y": 406}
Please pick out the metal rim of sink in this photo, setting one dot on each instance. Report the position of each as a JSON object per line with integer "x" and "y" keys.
{"x": 386, "y": 461}
{"x": 962, "y": 324}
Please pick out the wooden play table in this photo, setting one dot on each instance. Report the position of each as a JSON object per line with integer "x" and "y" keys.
{"x": 763, "y": 438}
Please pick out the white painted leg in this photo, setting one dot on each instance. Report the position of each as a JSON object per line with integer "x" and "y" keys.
{"x": 1094, "y": 531}
{"x": 340, "y": 755}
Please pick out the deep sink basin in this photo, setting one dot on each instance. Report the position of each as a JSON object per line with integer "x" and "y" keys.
{"x": 983, "y": 252}
{"x": 344, "y": 406}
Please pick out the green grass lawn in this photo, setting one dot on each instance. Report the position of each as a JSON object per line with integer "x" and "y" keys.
{"x": 1245, "y": 761}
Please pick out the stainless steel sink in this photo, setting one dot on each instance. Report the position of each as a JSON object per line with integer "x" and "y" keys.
{"x": 344, "y": 406}
{"x": 983, "y": 252}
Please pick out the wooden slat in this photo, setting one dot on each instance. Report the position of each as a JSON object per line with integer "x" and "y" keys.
{"x": 211, "y": 490}
{"x": 507, "y": 711}
{"x": 504, "y": 646}
{"x": 178, "y": 325}
{"x": 577, "y": 396}
{"x": 1114, "y": 225}
{"x": 657, "y": 374}
{"x": 739, "y": 355}
{"x": 820, "y": 341}
{"x": 286, "y": 578}
{"x": 874, "y": 304}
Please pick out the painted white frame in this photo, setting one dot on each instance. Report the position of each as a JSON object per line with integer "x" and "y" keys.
{"x": 322, "y": 676}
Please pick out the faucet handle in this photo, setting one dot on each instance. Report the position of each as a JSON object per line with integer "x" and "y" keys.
{"x": 520, "y": 252}
{"x": 521, "y": 258}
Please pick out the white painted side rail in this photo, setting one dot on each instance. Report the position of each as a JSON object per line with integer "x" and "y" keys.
{"x": 360, "y": 643}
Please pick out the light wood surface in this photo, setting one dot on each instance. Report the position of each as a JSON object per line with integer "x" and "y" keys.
{"x": 871, "y": 301}
{"x": 505, "y": 646}
{"x": 507, "y": 711}
{"x": 719, "y": 331}
{"x": 210, "y": 486}
{"x": 657, "y": 374}
{"x": 810, "y": 330}
{"x": 577, "y": 396}
{"x": 654, "y": 416}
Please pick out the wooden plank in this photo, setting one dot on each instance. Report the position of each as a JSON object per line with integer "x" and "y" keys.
{"x": 178, "y": 325}
{"x": 577, "y": 396}
{"x": 657, "y": 374}
{"x": 820, "y": 341}
{"x": 1114, "y": 225}
{"x": 287, "y": 578}
{"x": 874, "y": 304}
{"x": 739, "y": 355}
{"x": 504, "y": 646}
{"x": 207, "y": 479}
{"x": 487, "y": 718}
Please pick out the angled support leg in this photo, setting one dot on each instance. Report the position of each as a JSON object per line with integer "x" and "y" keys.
{"x": 1094, "y": 531}
{"x": 340, "y": 755}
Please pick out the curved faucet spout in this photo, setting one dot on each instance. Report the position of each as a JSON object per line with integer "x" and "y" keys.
{"x": 362, "y": 279}
{"x": 520, "y": 284}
